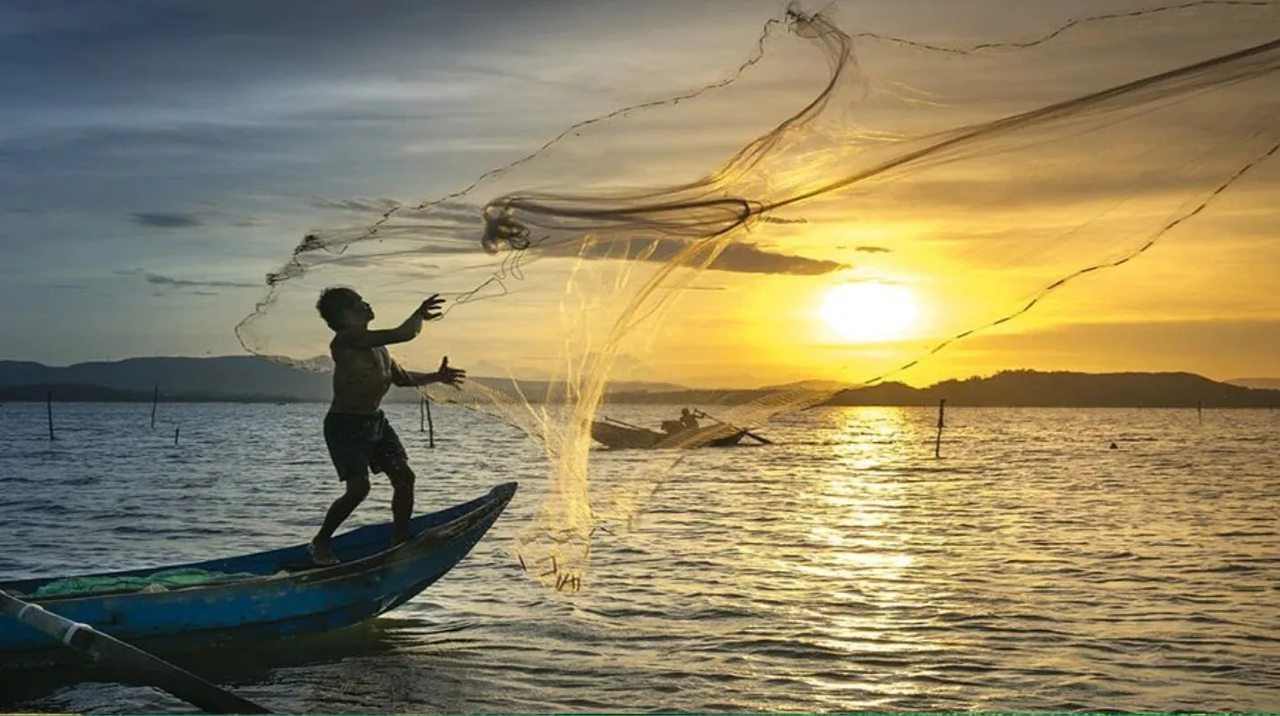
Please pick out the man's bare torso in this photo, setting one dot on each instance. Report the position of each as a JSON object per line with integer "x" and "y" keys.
{"x": 361, "y": 378}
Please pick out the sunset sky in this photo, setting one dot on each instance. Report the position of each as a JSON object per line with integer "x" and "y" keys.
{"x": 158, "y": 158}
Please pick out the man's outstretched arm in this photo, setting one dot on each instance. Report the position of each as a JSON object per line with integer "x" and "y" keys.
{"x": 362, "y": 337}
{"x": 409, "y": 378}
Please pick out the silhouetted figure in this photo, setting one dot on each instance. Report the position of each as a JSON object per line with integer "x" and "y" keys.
{"x": 688, "y": 420}
{"x": 357, "y": 433}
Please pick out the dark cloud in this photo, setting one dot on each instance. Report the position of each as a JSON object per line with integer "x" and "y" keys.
{"x": 737, "y": 258}
{"x": 130, "y": 47}
{"x": 360, "y": 205}
{"x": 747, "y": 258}
{"x": 872, "y": 249}
{"x": 165, "y": 220}
{"x": 781, "y": 220}
{"x": 182, "y": 283}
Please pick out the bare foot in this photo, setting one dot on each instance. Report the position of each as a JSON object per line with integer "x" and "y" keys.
{"x": 322, "y": 553}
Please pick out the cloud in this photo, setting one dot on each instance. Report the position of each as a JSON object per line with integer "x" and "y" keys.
{"x": 1219, "y": 346}
{"x": 165, "y": 220}
{"x": 747, "y": 258}
{"x": 156, "y": 279}
{"x": 781, "y": 220}
{"x": 737, "y": 258}
{"x": 359, "y": 205}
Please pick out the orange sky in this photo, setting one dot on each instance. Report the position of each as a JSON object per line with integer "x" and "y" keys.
{"x": 150, "y": 205}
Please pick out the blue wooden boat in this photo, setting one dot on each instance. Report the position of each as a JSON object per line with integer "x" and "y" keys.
{"x": 274, "y": 595}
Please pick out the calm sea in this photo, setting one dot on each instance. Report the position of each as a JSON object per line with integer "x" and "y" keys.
{"x": 1032, "y": 568}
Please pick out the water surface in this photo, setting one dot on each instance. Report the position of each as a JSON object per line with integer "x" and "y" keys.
{"x": 844, "y": 568}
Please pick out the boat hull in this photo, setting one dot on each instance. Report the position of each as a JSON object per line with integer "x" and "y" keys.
{"x": 618, "y": 437}
{"x": 290, "y": 597}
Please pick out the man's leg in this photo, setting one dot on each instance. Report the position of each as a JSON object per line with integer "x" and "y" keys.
{"x": 389, "y": 456}
{"x": 339, "y": 511}
{"x": 402, "y": 479}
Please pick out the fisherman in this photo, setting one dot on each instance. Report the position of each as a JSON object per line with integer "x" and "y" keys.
{"x": 356, "y": 431}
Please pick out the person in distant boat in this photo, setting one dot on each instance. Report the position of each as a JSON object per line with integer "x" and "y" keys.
{"x": 687, "y": 419}
{"x": 356, "y": 431}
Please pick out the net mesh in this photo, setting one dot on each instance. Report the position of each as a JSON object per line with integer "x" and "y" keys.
{"x": 976, "y": 179}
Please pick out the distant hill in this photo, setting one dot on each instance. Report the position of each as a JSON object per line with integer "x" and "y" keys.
{"x": 232, "y": 378}
{"x": 1264, "y": 383}
{"x": 1024, "y": 388}
{"x": 76, "y": 393}
{"x": 253, "y": 379}
{"x": 1059, "y": 388}
{"x": 227, "y": 375}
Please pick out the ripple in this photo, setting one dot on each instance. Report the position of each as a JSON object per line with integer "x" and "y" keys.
{"x": 842, "y": 569}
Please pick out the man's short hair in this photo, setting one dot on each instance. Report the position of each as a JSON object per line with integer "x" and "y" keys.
{"x": 333, "y": 301}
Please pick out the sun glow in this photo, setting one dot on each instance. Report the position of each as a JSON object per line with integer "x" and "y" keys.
{"x": 869, "y": 312}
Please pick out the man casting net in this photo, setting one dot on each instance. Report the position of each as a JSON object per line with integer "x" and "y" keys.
{"x": 976, "y": 178}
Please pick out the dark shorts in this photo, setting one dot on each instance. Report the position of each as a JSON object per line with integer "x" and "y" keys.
{"x": 359, "y": 443}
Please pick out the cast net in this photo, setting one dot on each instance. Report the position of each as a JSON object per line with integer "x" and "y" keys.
{"x": 842, "y": 206}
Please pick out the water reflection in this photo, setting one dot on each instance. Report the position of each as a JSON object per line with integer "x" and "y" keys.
{"x": 862, "y": 532}
{"x": 842, "y": 569}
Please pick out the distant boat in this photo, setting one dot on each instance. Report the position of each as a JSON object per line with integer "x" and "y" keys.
{"x": 619, "y": 437}
{"x": 265, "y": 596}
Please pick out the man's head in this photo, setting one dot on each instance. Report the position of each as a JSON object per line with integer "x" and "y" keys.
{"x": 684, "y": 412}
{"x": 343, "y": 308}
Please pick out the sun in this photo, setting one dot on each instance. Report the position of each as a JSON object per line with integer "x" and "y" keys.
{"x": 869, "y": 312}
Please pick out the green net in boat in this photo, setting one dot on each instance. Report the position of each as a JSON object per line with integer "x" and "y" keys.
{"x": 157, "y": 581}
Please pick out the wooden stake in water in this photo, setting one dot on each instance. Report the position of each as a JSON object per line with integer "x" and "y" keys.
{"x": 1199, "y": 411}
{"x": 422, "y": 413}
{"x": 431, "y": 429}
{"x": 155, "y": 399}
{"x": 48, "y": 404}
{"x": 175, "y": 435}
{"x": 937, "y": 442}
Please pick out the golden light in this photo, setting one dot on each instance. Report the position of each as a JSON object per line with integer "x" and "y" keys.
{"x": 869, "y": 312}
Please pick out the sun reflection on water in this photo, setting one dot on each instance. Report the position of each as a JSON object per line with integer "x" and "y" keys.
{"x": 864, "y": 551}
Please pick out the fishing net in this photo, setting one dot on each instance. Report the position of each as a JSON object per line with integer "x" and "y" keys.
{"x": 694, "y": 237}
{"x": 163, "y": 580}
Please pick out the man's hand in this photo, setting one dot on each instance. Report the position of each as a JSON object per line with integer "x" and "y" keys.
{"x": 450, "y": 376}
{"x": 430, "y": 308}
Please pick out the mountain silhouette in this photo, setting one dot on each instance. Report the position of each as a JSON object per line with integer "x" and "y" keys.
{"x": 253, "y": 379}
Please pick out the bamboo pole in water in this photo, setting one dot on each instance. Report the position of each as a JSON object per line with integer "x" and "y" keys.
{"x": 48, "y": 405}
{"x": 431, "y": 428}
{"x": 104, "y": 648}
{"x": 155, "y": 400}
{"x": 937, "y": 442}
